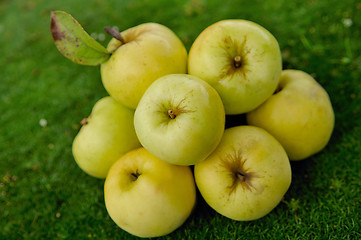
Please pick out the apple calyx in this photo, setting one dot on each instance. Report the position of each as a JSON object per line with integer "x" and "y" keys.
{"x": 237, "y": 61}
{"x": 234, "y": 163}
{"x": 114, "y": 33}
{"x": 241, "y": 176}
{"x": 135, "y": 175}
{"x": 74, "y": 42}
{"x": 172, "y": 114}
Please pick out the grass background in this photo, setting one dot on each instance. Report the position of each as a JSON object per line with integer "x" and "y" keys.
{"x": 43, "y": 97}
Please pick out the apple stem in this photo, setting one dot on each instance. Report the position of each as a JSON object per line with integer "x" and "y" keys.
{"x": 237, "y": 61}
{"x": 114, "y": 33}
{"x": 171, "y": 114}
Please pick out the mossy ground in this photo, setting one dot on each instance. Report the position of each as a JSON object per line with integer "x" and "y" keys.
{"x": 44, "y": 96}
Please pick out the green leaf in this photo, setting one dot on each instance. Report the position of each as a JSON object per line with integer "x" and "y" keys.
{"x": 74, "y": 42}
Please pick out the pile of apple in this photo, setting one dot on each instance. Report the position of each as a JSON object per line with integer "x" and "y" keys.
{"x": 161, "y": 133}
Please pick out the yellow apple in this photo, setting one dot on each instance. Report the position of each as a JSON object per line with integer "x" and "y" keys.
{"x": 146, "y": 52}
{"x": 299, "y": 115}
{"x": 240, "y": 59}
{"x": 180, "y": 119}
{"x": 106, "y": 134}
{"x": 246, "y": 176}
{"x": 148, "y": 197}
{"x": 133, "y": 59}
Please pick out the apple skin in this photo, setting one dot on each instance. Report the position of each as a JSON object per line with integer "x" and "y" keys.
{"x": 240, "y": 59}
{"x": 198, "y": 124}
{"x": 246, "y": 176}
{"x": 148, "y": 197}
{"x": 107, "y": 134}
{"x": 299, "y": 115}
{"x": 151, "y": 50}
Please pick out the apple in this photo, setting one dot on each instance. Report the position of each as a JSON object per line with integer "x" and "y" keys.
{"x": 148, "y": 197}
{"x": 180, "y": 119}
{"x": 246, "y": 176}
{"x": 106, "y": 134}
{"x": 145, "y": 53}
{"x": 240, "y": 59}
{"x": 299, "y": 115}
{"x": 132, "y": 60}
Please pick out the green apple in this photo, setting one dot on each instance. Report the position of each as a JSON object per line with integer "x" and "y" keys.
{"x": 246, "y": 176}
{"x": 106, "y": 134}
{"x": 180, "y": 119}
{"x": 148, "y": 197}
{"x": 240, "y": 59}
{"x": 147, "y": 52}
{"x": 299, "y": 115}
